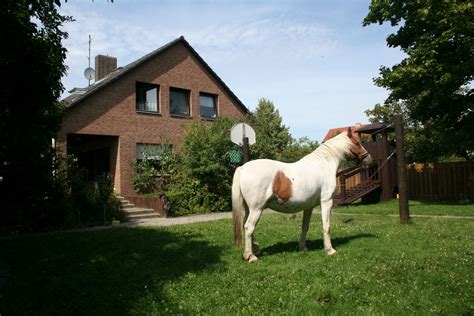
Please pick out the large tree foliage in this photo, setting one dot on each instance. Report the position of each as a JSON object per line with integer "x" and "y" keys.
{"x": 438, "y": 38}
{"x": 272, "y": 136}
{"x": 298, "y": 148}
{"x": 419, "y": 145}
{"x": 32, "y": 64}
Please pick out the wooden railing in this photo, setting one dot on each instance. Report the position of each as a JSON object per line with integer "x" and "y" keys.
{"x": 353, "y": 176}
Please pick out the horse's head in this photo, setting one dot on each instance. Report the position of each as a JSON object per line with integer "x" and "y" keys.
{"x": 357, "y": 152}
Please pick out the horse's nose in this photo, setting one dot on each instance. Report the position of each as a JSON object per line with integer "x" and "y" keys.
{"x": 367, "y": 160}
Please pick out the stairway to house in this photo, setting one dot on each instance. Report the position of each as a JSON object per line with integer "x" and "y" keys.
{"x": 356, "y": 192}
{"x": 135, "y": 213}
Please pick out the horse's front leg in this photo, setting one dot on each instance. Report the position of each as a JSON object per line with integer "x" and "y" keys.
{"x": 325, "y": 213}
{"x": 252, "y": 220}
{"x": 304, "y": 229}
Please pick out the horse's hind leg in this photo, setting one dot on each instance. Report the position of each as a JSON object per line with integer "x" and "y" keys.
{"x": 255, "y": 248}
{"x": 304, "y": 229}
{"x": 252, "y": 220}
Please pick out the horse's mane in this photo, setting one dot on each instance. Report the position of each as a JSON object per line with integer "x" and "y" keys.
{"x": 335, "y": 147}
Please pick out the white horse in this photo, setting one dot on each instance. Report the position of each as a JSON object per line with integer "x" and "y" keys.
{"x": 291, "y": 188}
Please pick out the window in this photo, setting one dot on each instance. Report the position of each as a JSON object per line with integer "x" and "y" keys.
{"x": 207, "y": 105}
{"x": 147, "y": 97}
{"x": 153, "y": 155}
{"x": 153, "y": 151}
{"x": 179, "y": 102}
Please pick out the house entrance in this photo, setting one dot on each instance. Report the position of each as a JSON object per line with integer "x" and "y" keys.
{"x": 96, "y": 154}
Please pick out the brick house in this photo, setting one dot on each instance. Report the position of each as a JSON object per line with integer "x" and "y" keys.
{"x": 137, "y": 107}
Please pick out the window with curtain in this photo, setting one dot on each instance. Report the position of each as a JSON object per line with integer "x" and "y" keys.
{"x": 147, "y": 97}
{"x": 207, "y": 105}
{"x": 179, "y": 102}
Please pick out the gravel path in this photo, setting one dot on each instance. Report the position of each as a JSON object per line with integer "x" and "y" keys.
{"x": 179, "y": 220}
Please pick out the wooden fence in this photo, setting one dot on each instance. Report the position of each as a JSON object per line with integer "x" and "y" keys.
{"x": 441, "y": 181}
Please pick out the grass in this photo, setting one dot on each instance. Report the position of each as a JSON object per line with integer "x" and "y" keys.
{"x": 382, "y": 267}
{"x": 415, "y": 207}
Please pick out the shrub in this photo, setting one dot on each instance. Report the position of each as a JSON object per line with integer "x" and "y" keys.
{"x": 77, "y": 201}
{"x": 202, "y": 183}
{"x": 145, "y": 178}
{"x": 152, "y": 174}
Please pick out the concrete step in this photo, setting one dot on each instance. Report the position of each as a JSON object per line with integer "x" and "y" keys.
{"x": 133, "y": 217}
{"x": 135, "y": 213}
{"x": 138, "y": 210}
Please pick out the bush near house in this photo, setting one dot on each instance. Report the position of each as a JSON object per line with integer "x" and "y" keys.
{"x": 75, "y": 201}
{"x": 202, "y": 182}
{"x": 152, "y": 174}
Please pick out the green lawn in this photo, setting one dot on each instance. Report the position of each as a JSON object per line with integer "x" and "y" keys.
{"x": 382, "y": 267}
{"x": 415, "y": 207}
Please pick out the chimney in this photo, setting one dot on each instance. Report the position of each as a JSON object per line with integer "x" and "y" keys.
{"x": 104, "y": 65}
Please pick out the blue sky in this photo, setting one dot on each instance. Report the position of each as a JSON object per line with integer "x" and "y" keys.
{"x": 313, "y": 59}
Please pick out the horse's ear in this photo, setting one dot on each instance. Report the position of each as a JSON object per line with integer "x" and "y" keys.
{"x": 349, "y": 132}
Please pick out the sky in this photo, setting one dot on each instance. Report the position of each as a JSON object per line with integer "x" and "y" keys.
{"x": 312, "y": 59}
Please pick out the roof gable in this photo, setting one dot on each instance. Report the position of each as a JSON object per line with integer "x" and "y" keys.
{"x": 99, "y": 85}
{"x": 335, "y": 131}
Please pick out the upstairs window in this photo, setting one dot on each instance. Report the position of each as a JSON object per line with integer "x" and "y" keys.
{"x": 207, "y": 105}
{"x": 147, "y": 97}
{"x": 179, "y": 102}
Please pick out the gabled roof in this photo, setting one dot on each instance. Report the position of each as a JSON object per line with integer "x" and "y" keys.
{"x": 363, "y": 129}
{"x": 375, "y": 128}
{"x": 335, "y": 131}
{"x": 123, "y": 70}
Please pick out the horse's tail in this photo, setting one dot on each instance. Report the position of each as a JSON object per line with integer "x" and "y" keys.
{"x": 238, "y": 208}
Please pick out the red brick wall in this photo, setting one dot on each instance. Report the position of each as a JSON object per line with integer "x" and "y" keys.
{"x": 104, "y": 65}
{"x": 152, "y": 202}
{"x": 111, "y": 110}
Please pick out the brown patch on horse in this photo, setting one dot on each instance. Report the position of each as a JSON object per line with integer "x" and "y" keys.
{"x": 282, "y": 187}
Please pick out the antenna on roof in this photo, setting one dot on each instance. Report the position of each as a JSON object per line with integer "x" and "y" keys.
{"x": 89, "y": 73}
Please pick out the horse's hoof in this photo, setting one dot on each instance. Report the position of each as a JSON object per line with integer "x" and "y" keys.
{"x": 247, "y": 255}
{"x": 253, "y": 258}
{"x": 331, "y": 252}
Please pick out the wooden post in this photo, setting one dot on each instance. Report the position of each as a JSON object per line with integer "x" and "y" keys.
{"x": 245, "y": 149}
{"x": 402, "y": 171}
{"x": 343, "y": 186}
{"x": 385, "y": 172}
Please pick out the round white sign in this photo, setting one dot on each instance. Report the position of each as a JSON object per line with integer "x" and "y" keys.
{"x": 241, "y": 130}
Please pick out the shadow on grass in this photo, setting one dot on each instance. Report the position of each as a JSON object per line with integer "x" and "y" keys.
{"x": 311, "y": 244}
{"x": 119, "y": 271}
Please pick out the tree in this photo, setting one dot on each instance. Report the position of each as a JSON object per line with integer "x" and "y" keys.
{"x": 437, "y": 37}
{"x": 298, "y": 148}
{"x": 272, "y": 136}
{"x": 32, "y": 65}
